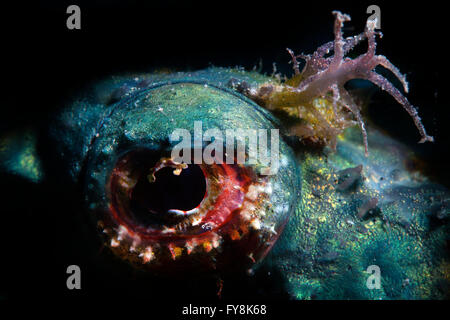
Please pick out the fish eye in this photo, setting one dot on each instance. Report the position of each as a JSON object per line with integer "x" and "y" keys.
{"x": 162, "y": 186}
{"x": 165, "y": 214}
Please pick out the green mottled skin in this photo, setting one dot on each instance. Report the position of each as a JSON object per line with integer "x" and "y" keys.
{"x": 18, "y": 155}
{"x": 149, "y": 118}
{"x": 330, "y": 239}
{"x": 327, "y": 247}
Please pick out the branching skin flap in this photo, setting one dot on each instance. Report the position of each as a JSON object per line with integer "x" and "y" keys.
{"x": 317, "y": 94}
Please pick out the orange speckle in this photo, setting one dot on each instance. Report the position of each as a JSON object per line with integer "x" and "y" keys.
{"x": 190, "y": 246}
{"x": 244, "y": 229}
{"x": 175, "y": 251}
{"x": 207, "y": 245}
{"x": 148, "y": 255}
{"x": 234, "y": 235}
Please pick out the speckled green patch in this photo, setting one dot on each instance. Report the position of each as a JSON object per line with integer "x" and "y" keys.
{"x": 338, "y": 232}
{"x": 18, "y": 155}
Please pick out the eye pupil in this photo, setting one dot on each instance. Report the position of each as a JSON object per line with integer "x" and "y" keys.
{"x": 153, "y": 200}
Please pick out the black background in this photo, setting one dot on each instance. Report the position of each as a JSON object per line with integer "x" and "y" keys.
{"x": 44, "y": 63}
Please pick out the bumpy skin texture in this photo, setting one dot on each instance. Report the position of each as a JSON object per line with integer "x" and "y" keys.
{"x": 354, "y": 211}
{"x": 358, "y": 211}
{"x": 384, "y": 215}
{"x": 75, "y": 128}
{"x": 142, "y": 111}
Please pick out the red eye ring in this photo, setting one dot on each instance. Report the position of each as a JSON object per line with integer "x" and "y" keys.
{"x": 228, "y": 219}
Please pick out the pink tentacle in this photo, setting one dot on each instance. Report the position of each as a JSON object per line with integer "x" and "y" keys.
{"x": 294, "y": 61}
{"x": 349, "y": 44}
{"x": 372, "y": 44}
{"x": 305, "y": 83}
{"x": 321, "y": 74}
{"x": 385, "y": 85}
{"x": 383, "y": 61}
{"x": 351, "y": 105}
{"x": 338, "y": 40}
{"x": 336, "y": 97}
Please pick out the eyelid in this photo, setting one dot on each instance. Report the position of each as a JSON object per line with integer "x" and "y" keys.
{"x": 144, "y": 119}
